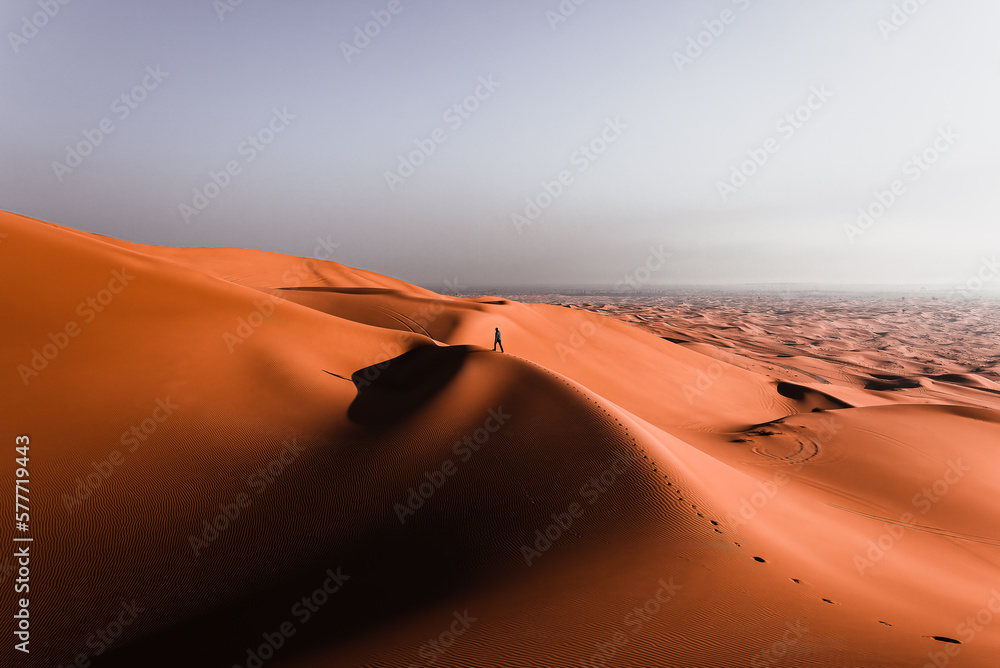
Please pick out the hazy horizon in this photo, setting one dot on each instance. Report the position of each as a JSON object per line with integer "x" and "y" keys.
{"x": 763, "y": 289}
{"x": 730, "y": 143}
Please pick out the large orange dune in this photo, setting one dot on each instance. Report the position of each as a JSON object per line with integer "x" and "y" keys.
{"x": 240, "y": 458}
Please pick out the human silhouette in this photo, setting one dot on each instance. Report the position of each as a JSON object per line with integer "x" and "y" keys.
{"x": 496, "y": 339}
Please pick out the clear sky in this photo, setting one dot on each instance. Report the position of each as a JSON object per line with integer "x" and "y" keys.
{"x": 519, "y": 142}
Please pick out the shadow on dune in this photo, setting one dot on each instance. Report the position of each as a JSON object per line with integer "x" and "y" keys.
{"x": 889, "y": 382}
{"x": 397, "y": 575}
{"x": 345, "y": 291}
{"x": 390, "y": 391}
{"x": 810, "y": 398}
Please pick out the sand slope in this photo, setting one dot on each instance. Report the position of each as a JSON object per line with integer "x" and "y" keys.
{"x": 354, "y": 442}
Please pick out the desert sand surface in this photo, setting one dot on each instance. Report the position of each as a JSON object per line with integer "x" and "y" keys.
{"x": 240, "y": 458}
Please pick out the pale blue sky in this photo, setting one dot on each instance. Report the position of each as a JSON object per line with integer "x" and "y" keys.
{"x": 555, "y": 85}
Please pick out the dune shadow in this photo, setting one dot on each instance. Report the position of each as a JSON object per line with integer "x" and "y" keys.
{"x": 392, "y": 390}
{"x": 343, "y": 291}
{"x": 801, "y": 393}
{"x": 889, "y": 382}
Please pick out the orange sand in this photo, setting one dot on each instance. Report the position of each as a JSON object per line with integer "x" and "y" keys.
{"x": 791, "y": 489}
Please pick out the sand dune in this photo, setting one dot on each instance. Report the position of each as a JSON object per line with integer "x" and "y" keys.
{"x": 242, "y": 458}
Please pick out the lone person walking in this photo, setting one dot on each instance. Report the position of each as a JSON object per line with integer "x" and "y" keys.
{"x": 496, "y": 340}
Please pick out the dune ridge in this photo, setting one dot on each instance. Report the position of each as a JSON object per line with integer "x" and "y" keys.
{"x": 297, "y": 463}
